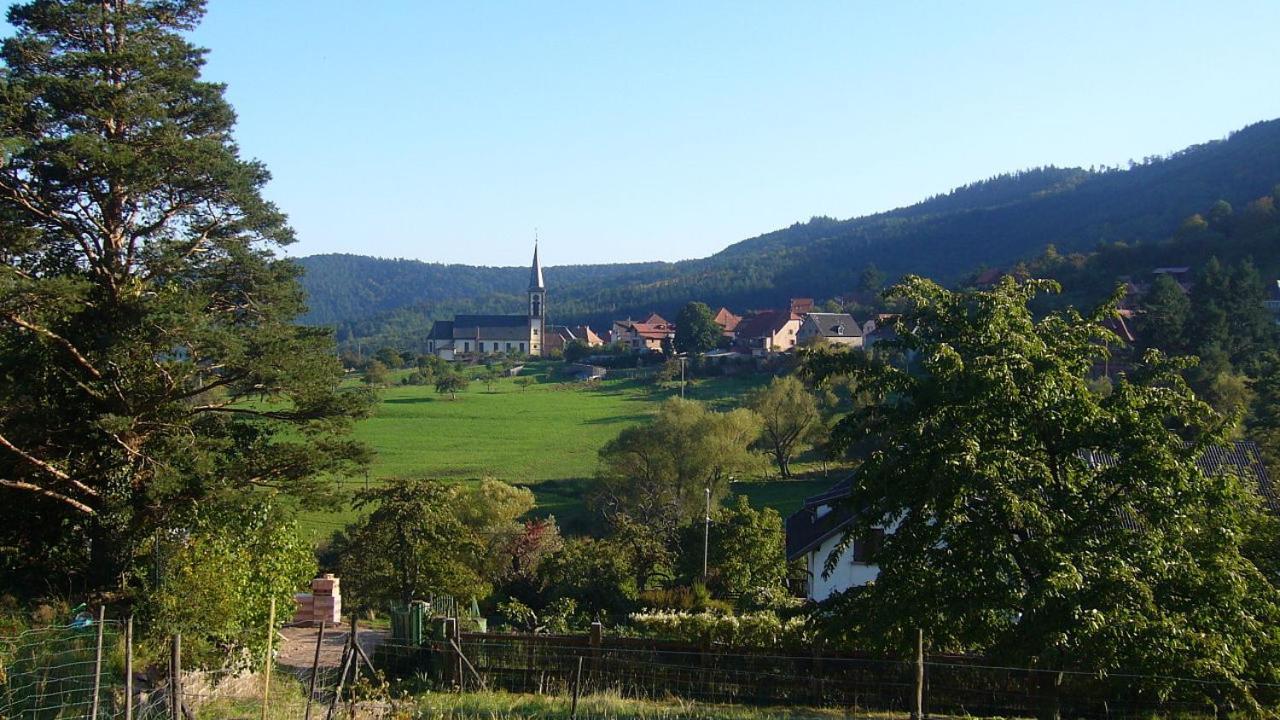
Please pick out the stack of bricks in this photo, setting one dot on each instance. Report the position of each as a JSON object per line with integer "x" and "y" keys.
{"x": 322, "y": 604}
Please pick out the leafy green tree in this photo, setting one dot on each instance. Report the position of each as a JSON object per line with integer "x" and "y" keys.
{"x": 595, "y": 574}
{"x": 1220, "y": 216}
{"x": 789, "y": 415}
{"x": 658, "y": 473}
{"x": 492, "y": 375}
{"x": 871, "y": 281}
{"x": 491, "y": 510}
{"x": 576, "y": 350}
{"x": 390, "y": 357}
{"x": 1229, "y": 314}
{"x": 411, "y": 544}
{"x": 746, "y": 550}
{"x": 452, "y": 383}
{"x": 141, "y": 303}
{"x": 650, "y": 550}
{"x": 1166, "y": 310}
{"x": 375, "y": 373}
{"x": 1007, "y": 542}
{"x": 241, "y": 555}
{"x": 523, "y": 382}
{"x": 696, "y": 329}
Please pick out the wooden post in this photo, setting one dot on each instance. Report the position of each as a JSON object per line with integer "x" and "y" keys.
{"x": 347, "y": 656}
{"x": 577, "y": 687}
{"x": 128, "y": 668}
{"x": 267, "y": 660}
{"x": 175, "y": 676}
{"x": 315, "y": 670}
{"x": 97, "y": 663}
{"x": 918, "y": 714}
{"x": 597, "y": 639}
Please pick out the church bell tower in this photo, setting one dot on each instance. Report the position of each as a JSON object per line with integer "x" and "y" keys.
{"x": 537, "y": 305}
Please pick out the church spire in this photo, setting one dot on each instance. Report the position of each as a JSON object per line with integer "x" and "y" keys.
{"x": 535, "y": 272}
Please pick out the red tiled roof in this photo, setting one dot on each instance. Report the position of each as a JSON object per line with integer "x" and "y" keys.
{"x": 727, "y": 320}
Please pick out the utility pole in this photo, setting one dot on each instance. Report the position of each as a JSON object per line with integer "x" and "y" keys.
{"x": 682, "y": 395}
{"x": 706, "y": 538}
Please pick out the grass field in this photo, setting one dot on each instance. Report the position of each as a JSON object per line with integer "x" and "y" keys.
{"x": 545, "y": 436}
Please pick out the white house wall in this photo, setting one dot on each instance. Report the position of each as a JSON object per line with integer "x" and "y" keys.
{"x": 846, "y": 574}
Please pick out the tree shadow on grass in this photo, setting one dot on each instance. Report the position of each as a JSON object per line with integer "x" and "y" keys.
{"x": 415, "y": 400}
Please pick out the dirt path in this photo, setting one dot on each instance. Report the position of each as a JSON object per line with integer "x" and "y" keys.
{"x": 298, "y": 647}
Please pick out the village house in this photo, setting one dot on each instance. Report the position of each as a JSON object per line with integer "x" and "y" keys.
{"x": 816, "y": 530}
{"x": 727, "y": 321}
{"x": 768, "y": 331}
{"x": 643, "y": 335}
{"x": 475, "y": 335}
{"x": 834, "y": 328}
{"x": 771, "y": 331}
{"x": 558, "y": 336}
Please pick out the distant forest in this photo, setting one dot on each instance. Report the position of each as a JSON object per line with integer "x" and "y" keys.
{"x": 1131, "y": 216}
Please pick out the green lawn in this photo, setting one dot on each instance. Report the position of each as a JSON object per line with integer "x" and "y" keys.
{"x": 545, "y": 436}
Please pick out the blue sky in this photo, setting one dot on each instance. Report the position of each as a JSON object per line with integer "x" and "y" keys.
{"x": 668, "y": 130}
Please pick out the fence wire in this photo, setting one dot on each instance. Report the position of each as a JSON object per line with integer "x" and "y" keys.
{"x": 50, "y": 673}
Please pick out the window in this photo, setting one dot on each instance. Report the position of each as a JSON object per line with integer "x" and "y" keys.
{"x": 521, "y": 347}
{"x": 508, "y": 347}
{"x": 866, "y": 547}
{"x": 466, "y": 346}
{"x": 535, "y": 331}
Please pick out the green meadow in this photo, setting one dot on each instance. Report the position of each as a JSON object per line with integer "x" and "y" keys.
{"x": 545, "y": 436}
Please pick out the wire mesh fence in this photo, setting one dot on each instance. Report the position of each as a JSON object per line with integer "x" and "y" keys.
{"x": 60, "y": 672}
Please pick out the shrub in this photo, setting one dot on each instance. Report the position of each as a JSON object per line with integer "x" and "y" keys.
{"x": 763, "y": 628}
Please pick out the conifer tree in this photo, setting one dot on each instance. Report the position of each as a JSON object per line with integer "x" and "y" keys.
{"x": 148, "y": 359}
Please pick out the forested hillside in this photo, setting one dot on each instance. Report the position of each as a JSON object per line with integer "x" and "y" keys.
{"x": 995, "y": 222}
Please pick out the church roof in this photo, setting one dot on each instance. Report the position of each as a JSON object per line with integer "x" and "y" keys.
{"x": 535, "y": 272}
{"x": 490, "y": 321}
{"x": 441, "y": 330}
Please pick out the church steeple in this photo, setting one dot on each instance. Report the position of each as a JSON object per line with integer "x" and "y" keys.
{"x": 535, "y": 272}
{"x": 537, "y": 293}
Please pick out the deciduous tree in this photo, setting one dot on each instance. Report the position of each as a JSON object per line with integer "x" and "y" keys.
{"x": 789, "y": 416}
{"x": 658, "y": 473}
{"x": 1007, "y": 541}
{"x": 413, "y": 543}
{"x": 696, "y": 329}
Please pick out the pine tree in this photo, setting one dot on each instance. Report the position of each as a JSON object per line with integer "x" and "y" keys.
{"x": 148, "y": 358}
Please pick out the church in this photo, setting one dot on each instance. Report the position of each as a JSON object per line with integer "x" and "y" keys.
{"x": 475, "y": 335}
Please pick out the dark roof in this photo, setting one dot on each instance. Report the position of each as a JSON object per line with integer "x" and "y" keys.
{"x": 535, "y": 272}
{"x": 441, "y": 330}
{"x": 835, "y": 324}
{"x": 806, "y": 531}
{"x": 763, "y": 324}
{"x": 490, "y": 321}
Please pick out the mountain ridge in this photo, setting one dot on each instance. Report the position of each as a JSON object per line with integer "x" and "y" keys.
{"x": 992, "y": 222}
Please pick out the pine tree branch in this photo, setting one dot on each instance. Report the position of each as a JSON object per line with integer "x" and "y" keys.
{"x": 46, "y": 492}
{"x": 46, "y": 467}
{"x": 66, "y": 344}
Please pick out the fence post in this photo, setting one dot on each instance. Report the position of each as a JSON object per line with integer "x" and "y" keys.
{"x": 315, "y": 669}
{"x": 267, "y": 660}
{"x": 175, "y": 676}
{"x": 128, "y": 668}
{"x": 577, "y": 688}
{"x": 348, "y": 655}
{"x": 597, "y": 640}
{"x": 97, "y": 662}
{"x": 918, "y": 714}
